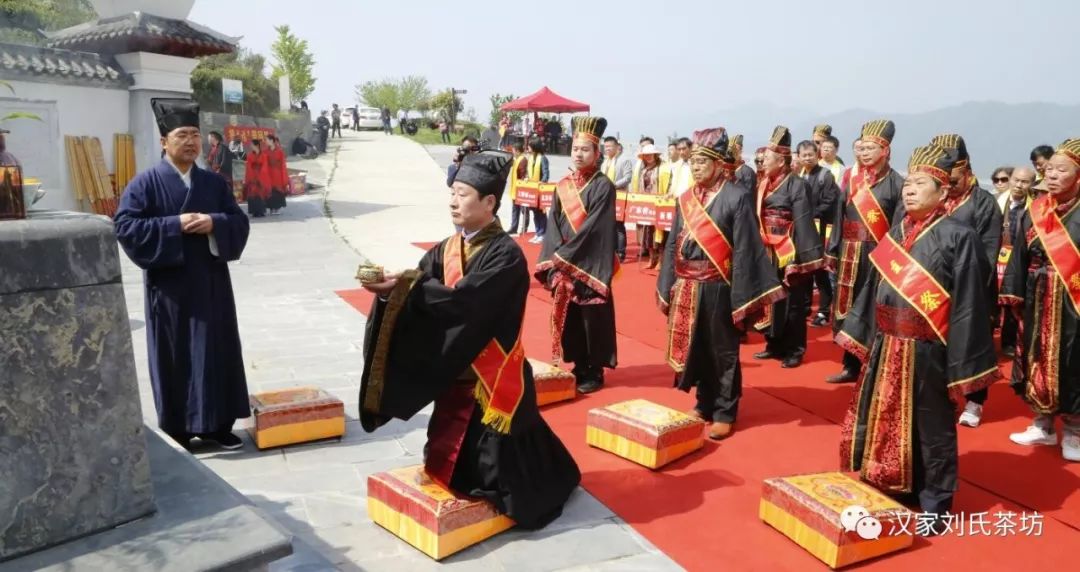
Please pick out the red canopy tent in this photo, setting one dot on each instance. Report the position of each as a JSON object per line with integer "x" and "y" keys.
{"x": 547, "y": 101}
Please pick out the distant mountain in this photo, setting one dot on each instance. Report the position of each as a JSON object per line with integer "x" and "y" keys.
{"x": 996, "y": 133}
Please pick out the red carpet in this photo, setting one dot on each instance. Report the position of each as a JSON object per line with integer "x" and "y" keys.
{"x": 702, "y": 510}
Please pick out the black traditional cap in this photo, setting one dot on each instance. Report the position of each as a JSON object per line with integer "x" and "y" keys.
{"x": 1070, "y": 149}
{"x": 823, "y": 129}
{"x": 880, "y": 131}
{"x": 486, "y": 172}
{"x": 780, "y": 142}
{"x": 590, "y": 128}
{"x": 933, "y": 160}
{"x": 955, "y": 146}
{"x": 711, "y": 143}
{"x": 736, "y": 143}
{"x": 175, "y": 113}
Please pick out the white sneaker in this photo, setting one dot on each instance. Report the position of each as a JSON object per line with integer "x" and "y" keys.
{"x": 1034, "y": 436}
{"x": 1070, "y": 447}
{"x": 972, "y": 414}
{"x": 536, "y": 240}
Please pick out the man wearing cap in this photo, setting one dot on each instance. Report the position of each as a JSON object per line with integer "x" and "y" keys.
{"x": 821, "y": 133}
{"x": 745, "y": 175}
{"x": 181, "y": 225}
{"x": 976, "y": 208}
{"x": 786, "y": 214}
{"x": 1042, "y": 284}
{"x": 578, "y": 261}
{"x": 864, "y": 211}
{"x": 6, "y": 158}
{"x": 823, "y": 192}
{"x": 715, "y": 278}
{"x": 913, "y": 326}
{"x": 435, "y": 335}
{"x": 651, "y": 177}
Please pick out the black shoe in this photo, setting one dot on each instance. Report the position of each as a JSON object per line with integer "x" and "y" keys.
{"x": 846, "y": 376}
{"x": 820, "y": 320}
{"x": 1009, "y": 351}
{"x": 182, "y": 439}
{"x": 590, "y": 386}
{"x": 792, "y": 361}
{"x": 766, "y": 355}
{"x": 224, "y": 439}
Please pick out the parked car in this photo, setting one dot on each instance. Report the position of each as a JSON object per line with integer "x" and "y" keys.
{"x": 370, "y": 118}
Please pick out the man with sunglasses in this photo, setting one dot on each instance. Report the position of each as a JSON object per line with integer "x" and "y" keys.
{"x": 975, "y": 208}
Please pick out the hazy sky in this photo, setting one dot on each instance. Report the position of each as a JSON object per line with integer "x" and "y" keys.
{"x": 671, "y": 60}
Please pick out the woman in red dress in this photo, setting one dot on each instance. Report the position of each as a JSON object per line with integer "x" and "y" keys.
{"x": 279, "y": 175}
{"x": 256, "y": 180}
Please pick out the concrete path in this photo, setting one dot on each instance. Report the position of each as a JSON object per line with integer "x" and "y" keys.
{"x": 375, "y": 195}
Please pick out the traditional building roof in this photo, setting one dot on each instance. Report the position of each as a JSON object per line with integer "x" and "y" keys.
{"x": 61, "y": 66}
{"x": 142, "y": 32}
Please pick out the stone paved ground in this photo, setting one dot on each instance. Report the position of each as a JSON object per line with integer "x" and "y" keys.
{"x": 383, "y": 193}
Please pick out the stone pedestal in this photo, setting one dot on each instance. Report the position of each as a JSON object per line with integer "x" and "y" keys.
{"x": 72, "y": 448}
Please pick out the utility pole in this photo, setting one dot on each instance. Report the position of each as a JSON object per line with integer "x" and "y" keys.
{"x": 453, "y": 108}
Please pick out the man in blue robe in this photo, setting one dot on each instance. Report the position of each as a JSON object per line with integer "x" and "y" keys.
{"x": 182, "y": 226}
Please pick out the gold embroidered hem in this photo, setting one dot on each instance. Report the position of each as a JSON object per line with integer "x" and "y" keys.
{"x": 394, "y": 304}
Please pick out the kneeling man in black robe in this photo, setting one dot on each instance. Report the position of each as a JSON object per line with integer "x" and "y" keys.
{"x": 449, "y": 332}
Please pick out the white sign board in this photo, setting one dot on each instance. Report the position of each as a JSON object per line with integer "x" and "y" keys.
{"x": 284, "y": 97}
{"x": 232, "y": 90}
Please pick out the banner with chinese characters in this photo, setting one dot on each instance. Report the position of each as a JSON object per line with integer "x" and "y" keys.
{"x": 641, "y": 209}
{"x": 534, "y": 195}
{"x": 246, "y": 133}
{"x": 665, "y": 213}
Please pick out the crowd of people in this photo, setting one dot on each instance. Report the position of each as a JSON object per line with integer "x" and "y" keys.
{"x": 914, "y": 273}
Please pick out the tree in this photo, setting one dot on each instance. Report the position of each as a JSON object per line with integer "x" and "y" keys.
{"x": 294, "y": 59}
{"x": 21, "y": 20}
{"x": 412, "y": 91}
{"x": 447, "y": 105}
{"x": 260, "y": 93}
{"x": 382, "y": 93}
{"x": 497, "y": 101}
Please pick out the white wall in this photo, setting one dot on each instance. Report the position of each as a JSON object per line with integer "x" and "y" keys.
{"x": 65, "y": 110}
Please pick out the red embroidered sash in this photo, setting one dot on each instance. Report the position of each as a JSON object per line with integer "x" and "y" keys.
{"x": 501, "y": 374}
{"x": 570, "y": 199}
{"x": 870, "y": 212}
{"x": 781, "y": 244}
{"x": 705, "y": 232}
{"x": 1060, "y": 248}
{"x": 914, "y": 283}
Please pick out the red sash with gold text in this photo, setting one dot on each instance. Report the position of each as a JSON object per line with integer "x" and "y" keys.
{"x": 705, "y": 232}
{"x": 914, "y": 283}
{"x": 572, "y": 206}
{"x": 870, "y": 212}
{"x": 501, "y": 374}
{"x": 1060, "y": 248}
{"x": 781, "y": 244}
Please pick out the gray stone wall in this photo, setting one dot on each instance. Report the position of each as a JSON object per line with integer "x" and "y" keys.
{"x": 72, "y": 448}
{"x": 287, "y": 129}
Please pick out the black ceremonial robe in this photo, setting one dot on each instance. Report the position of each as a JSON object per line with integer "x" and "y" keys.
{"x": 196, "y": 365}
{"x": 787, "y": 223}
{"x": 746, "y": 177}
{"x": 1046, "y": 372}
{"x": 418, "y": 348}
{"x": 707, "y": 306}
{"x": 577, "y": 263}
{"x": 900, "y": 431}
{"x": 851, "y": 242}
{"x": 824, "y": 193}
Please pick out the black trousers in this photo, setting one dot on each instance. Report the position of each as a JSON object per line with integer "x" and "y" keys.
{"x": 620, "y": 240}
{"x": 851, "y": 362}
{"x": 823, "y": 280}
{"x": 716, "y": 367}
{"x": 936, "y": 459}
{"x": 1009, "y": 328}
{"x": 588, "y": 339}
{"x": 787, "y": 336}
{"x": 335, "y": 128}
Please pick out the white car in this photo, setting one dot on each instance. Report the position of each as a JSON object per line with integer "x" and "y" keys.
{"x": 370, "y": 117}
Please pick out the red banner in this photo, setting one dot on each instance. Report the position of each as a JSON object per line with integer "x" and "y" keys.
{"x": 528, "y": 195}
{"x": 246, "y": 133}
{"x": 641, "y": 209}
{"x": 620, "y": 206}
{"x": 665, "y": 213}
